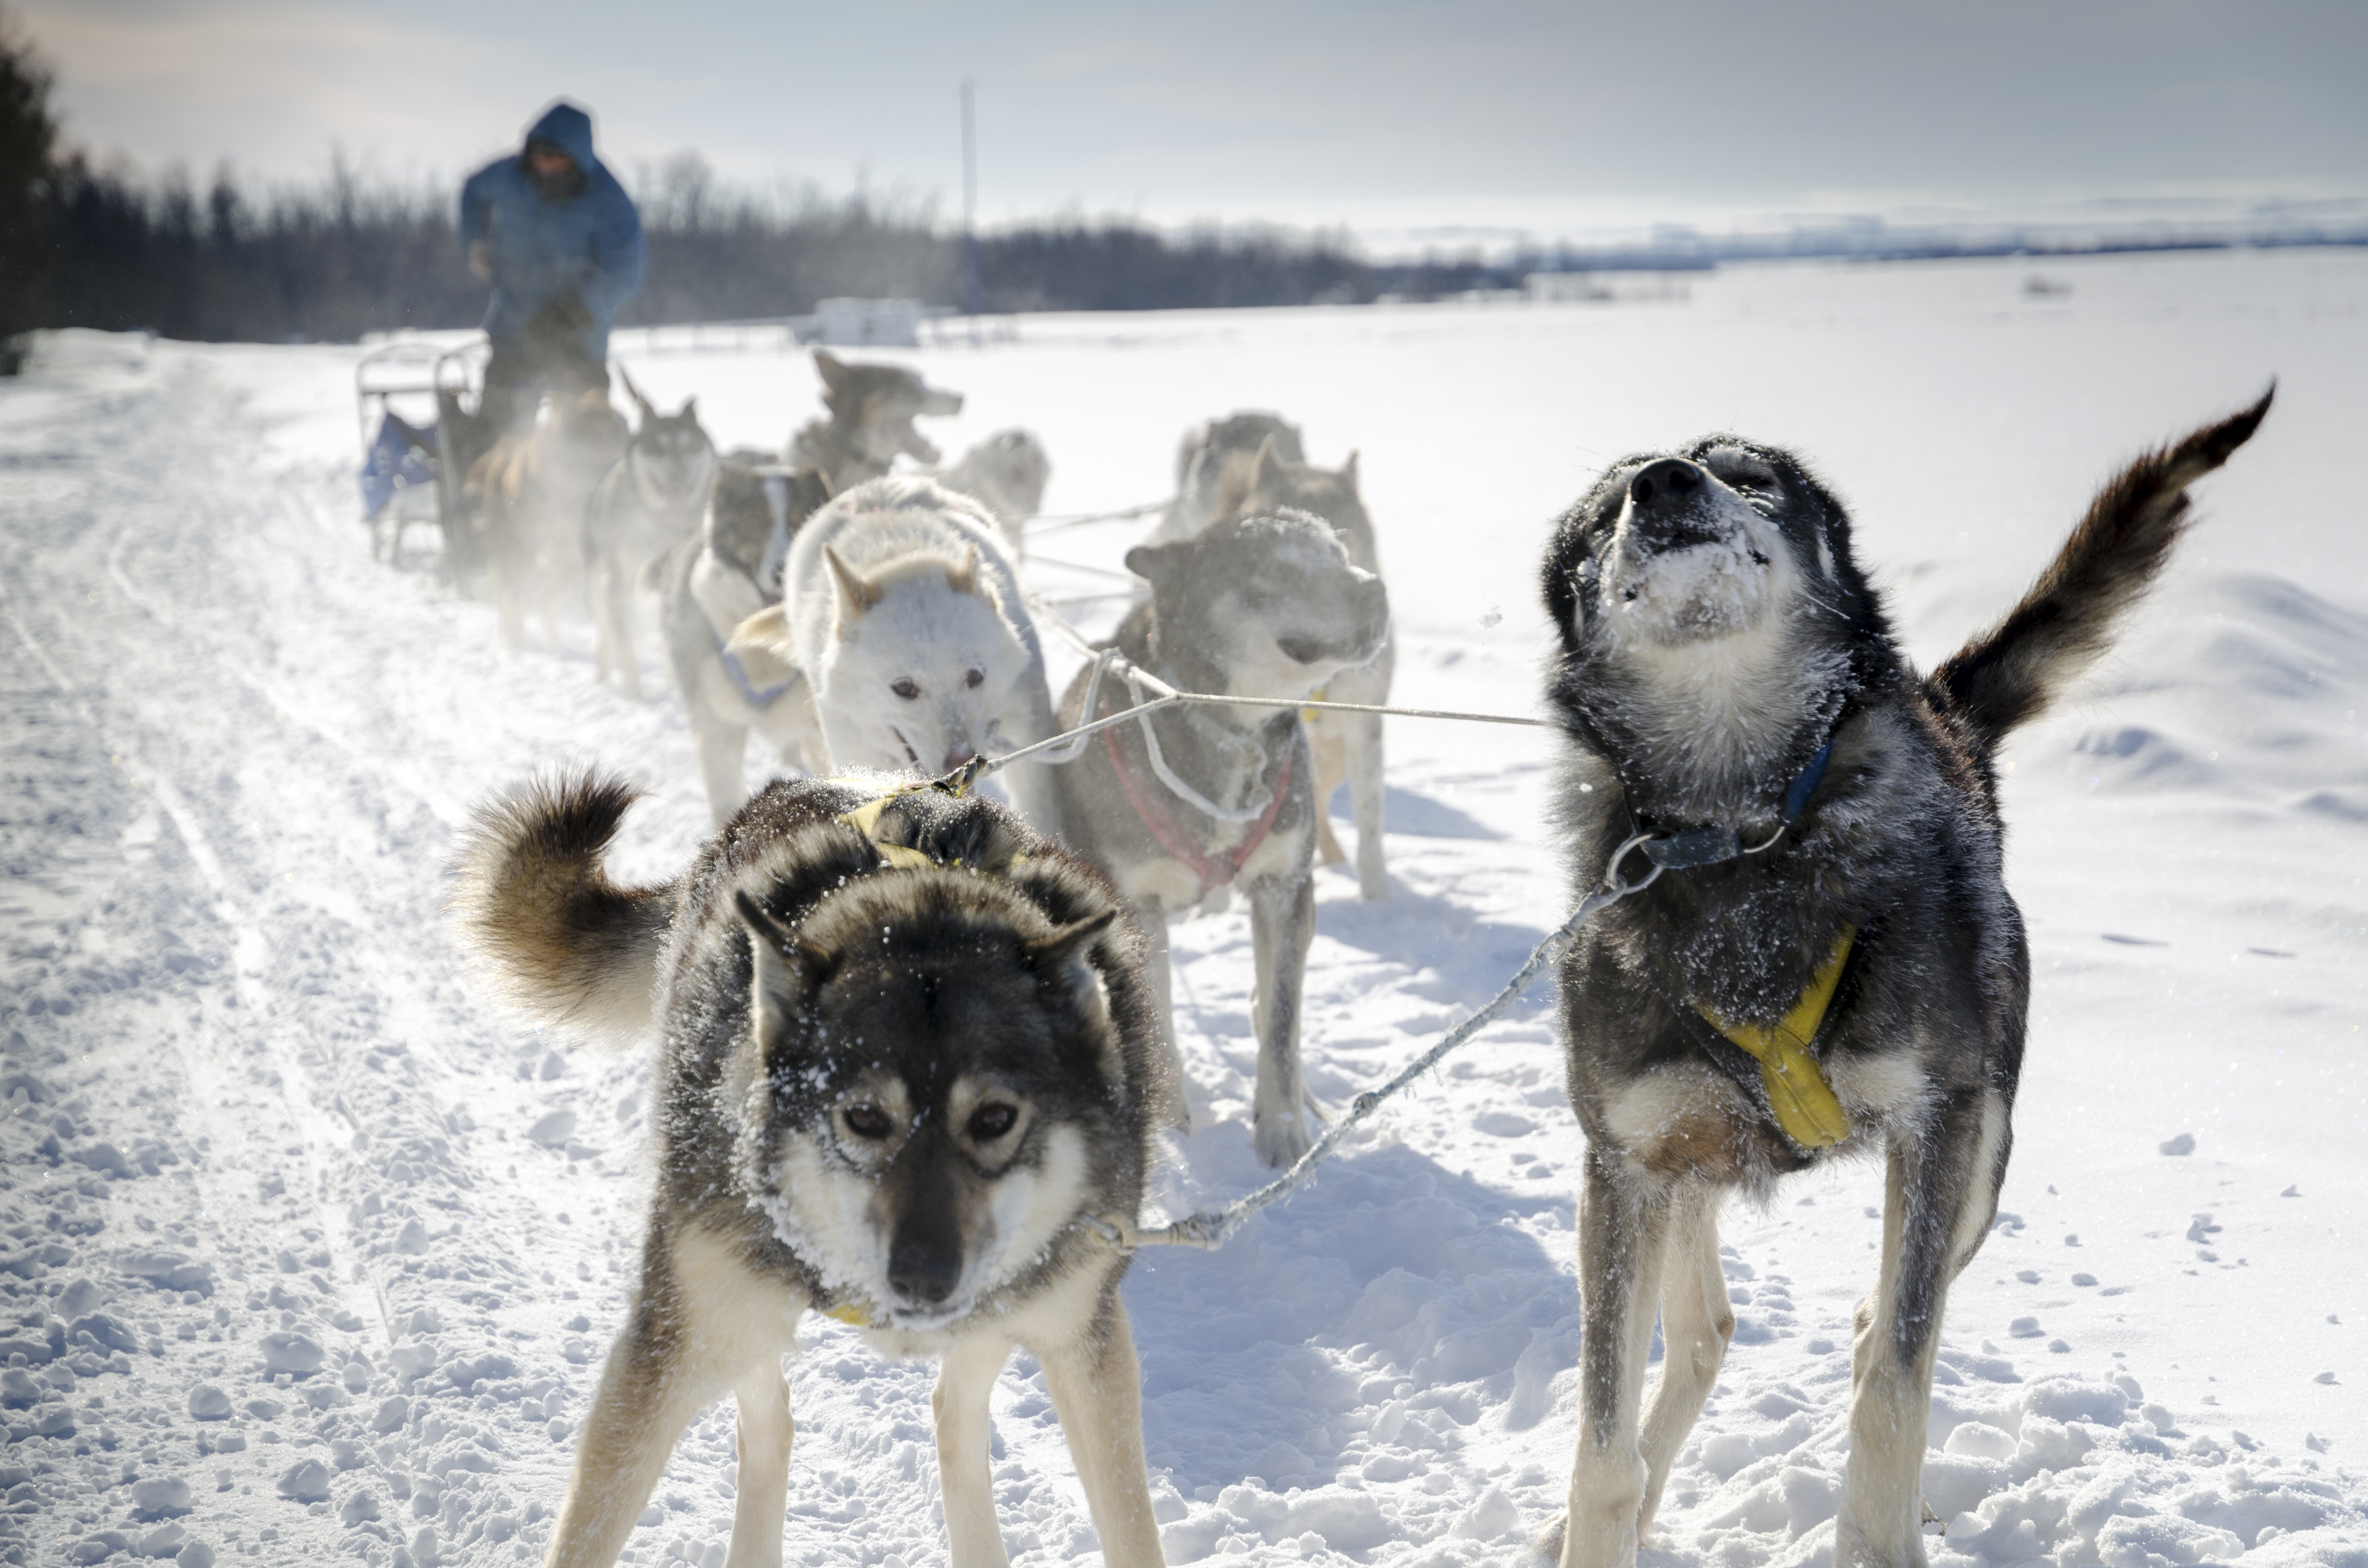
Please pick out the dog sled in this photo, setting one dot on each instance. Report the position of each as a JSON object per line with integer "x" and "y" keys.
{"x": 417, "y": 404}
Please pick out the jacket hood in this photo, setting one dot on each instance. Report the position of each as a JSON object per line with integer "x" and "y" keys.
{"x": 568, "y": 128}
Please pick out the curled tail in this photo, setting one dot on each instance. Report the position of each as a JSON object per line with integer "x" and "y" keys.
{"x": 2009, "y": 674}
{"x": 568, "y": 945}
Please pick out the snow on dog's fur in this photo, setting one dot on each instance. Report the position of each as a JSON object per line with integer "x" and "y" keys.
{"x": 1724, "y": 664}
{"x": 901, "y": 1087}
{"x": 902, "y": 607}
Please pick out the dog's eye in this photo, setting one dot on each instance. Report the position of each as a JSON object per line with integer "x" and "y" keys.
{"x": 905, "y": 688}
{"x": 1299, "y": 650}
{"x": 868, "y": 1121}
{"x": 989, "y": 1122}
{"x": 975, "y": 677}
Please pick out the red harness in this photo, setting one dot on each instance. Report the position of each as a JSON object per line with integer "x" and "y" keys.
{"x": 1217, "y": 870}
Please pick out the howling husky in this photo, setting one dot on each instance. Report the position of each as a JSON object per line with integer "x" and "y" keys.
{"x": 909, "y": 1063}
{"x": 1830, "y": 963}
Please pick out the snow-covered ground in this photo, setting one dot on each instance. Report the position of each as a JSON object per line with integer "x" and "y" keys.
{"x": 291, "y": 1275}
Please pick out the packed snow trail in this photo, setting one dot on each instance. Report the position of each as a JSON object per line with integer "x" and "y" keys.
{"x": 310, "y": 1253}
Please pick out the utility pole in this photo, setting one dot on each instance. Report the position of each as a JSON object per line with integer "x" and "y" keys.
{"x": 970, "y": 206}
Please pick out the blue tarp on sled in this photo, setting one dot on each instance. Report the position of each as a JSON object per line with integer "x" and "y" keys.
{"x": 397, "y": 459}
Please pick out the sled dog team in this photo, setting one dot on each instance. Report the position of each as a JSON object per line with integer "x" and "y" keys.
{"x": 914, "y": 1046}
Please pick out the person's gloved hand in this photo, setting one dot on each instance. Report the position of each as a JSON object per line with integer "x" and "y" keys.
{"x": 561, "y": 320}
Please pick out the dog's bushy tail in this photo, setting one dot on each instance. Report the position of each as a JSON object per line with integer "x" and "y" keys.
{"x": 568, "y": 945}
{"x": 2008, "y": 676}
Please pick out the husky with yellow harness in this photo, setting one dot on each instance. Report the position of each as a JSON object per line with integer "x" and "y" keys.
{"x": 908, "y": 1060}
{"x": 1833, "y": 966}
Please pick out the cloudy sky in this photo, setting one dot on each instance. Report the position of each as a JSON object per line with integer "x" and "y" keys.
{"x": 1383, "y": 115}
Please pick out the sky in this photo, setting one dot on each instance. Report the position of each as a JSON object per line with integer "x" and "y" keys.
{"x": 1383, "y": 116}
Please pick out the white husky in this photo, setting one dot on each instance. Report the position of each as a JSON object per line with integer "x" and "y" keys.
{"x": 902, "y": 607}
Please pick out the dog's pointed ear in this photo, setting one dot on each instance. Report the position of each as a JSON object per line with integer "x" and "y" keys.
{"x": 787, "y": 969}
{"x": 1149, "y": 561}
{"x": 963, "y": 579}
{"x": 1053, "y": 954}
{"x": 857, "y": 593}
{"x": 1265, "y": 463}
{"x": 1348, "y": 472}
{"x": 691, "y": 410}
{"x": 641, "y": 404}
{"x": 832, "y": 369}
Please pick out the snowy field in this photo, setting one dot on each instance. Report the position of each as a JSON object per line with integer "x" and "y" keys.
{"x": 289, "y": 1275}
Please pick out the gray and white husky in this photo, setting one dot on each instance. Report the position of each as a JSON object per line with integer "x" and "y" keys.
{"x": 1212, "y": 464}
{"x": 908, "y": 1060}
{"x": 1266, "y": 607}
{"x": 1840, "y": 972}
{"x": 648, "y": 503}
{"x": 1345, "y": 745}
{"x": 707, "y": 587}
{"x": 903, "y": 613}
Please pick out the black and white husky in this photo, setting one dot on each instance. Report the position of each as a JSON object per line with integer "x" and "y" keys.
{"x": 909, "y": 1063}
{"x": 1840, "y": 969}
{"x": 648, "y": 503}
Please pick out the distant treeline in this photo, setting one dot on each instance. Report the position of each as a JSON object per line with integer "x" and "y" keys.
{"x": 86, "y": 244}
{"x": 343, "y": 259}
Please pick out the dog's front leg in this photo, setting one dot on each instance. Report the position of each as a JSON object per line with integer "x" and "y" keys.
{"x": 1097, "y": 1388}
{"x": 1940, "y": 1189}
{"x": 652, "y": 1384}
{"x": 1622, "y": 1231}
{"x": 1282, "y": 924}
{"x": 767, "y": 1431}
{"x": 966, "y": 1379}
{"x": 1697, "y": 1324}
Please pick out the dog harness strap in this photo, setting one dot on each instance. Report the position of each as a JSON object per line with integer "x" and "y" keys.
{"x": 1796, "y": 799}
{"x": 1798, "y": 1091}
{"x": 1217, "y": 870}
{"x": 865, "y": 820}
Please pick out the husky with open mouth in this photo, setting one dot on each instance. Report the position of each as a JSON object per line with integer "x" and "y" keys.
{"x": 907, "y": 1067}
{"x": 901, "y": 610}
{"x": 1829, "y": 962}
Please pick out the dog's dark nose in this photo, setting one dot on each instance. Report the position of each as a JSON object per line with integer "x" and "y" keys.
{"x": 923, "y": 1267}
{"x": 1665, "y": 484}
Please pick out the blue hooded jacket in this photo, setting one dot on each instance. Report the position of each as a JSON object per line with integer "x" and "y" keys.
{"x": 589, "y": 244}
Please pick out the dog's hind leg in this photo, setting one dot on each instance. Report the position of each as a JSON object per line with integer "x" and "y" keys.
{"x": 1097, "y": 1388}
{"x": 1940, "y": 1190}
{"x": 1365, "y": 801}
{"x": 1158, "y": 968}
{"x": 763, "y": 1488}
{"x": 1329, "y": 750}
{"x": 1696, "y": 1325}
{"x": 1282, "y": 924}
{"x": 723, "y": 766}
{"x": 966, "y": 1379}
{"x": 1623, "y": 1225}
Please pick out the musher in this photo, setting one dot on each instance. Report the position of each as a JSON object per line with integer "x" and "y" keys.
{"x": 559, "y": 240}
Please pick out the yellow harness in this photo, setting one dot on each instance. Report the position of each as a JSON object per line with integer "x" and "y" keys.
{"x": 1798, "y": 1091}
